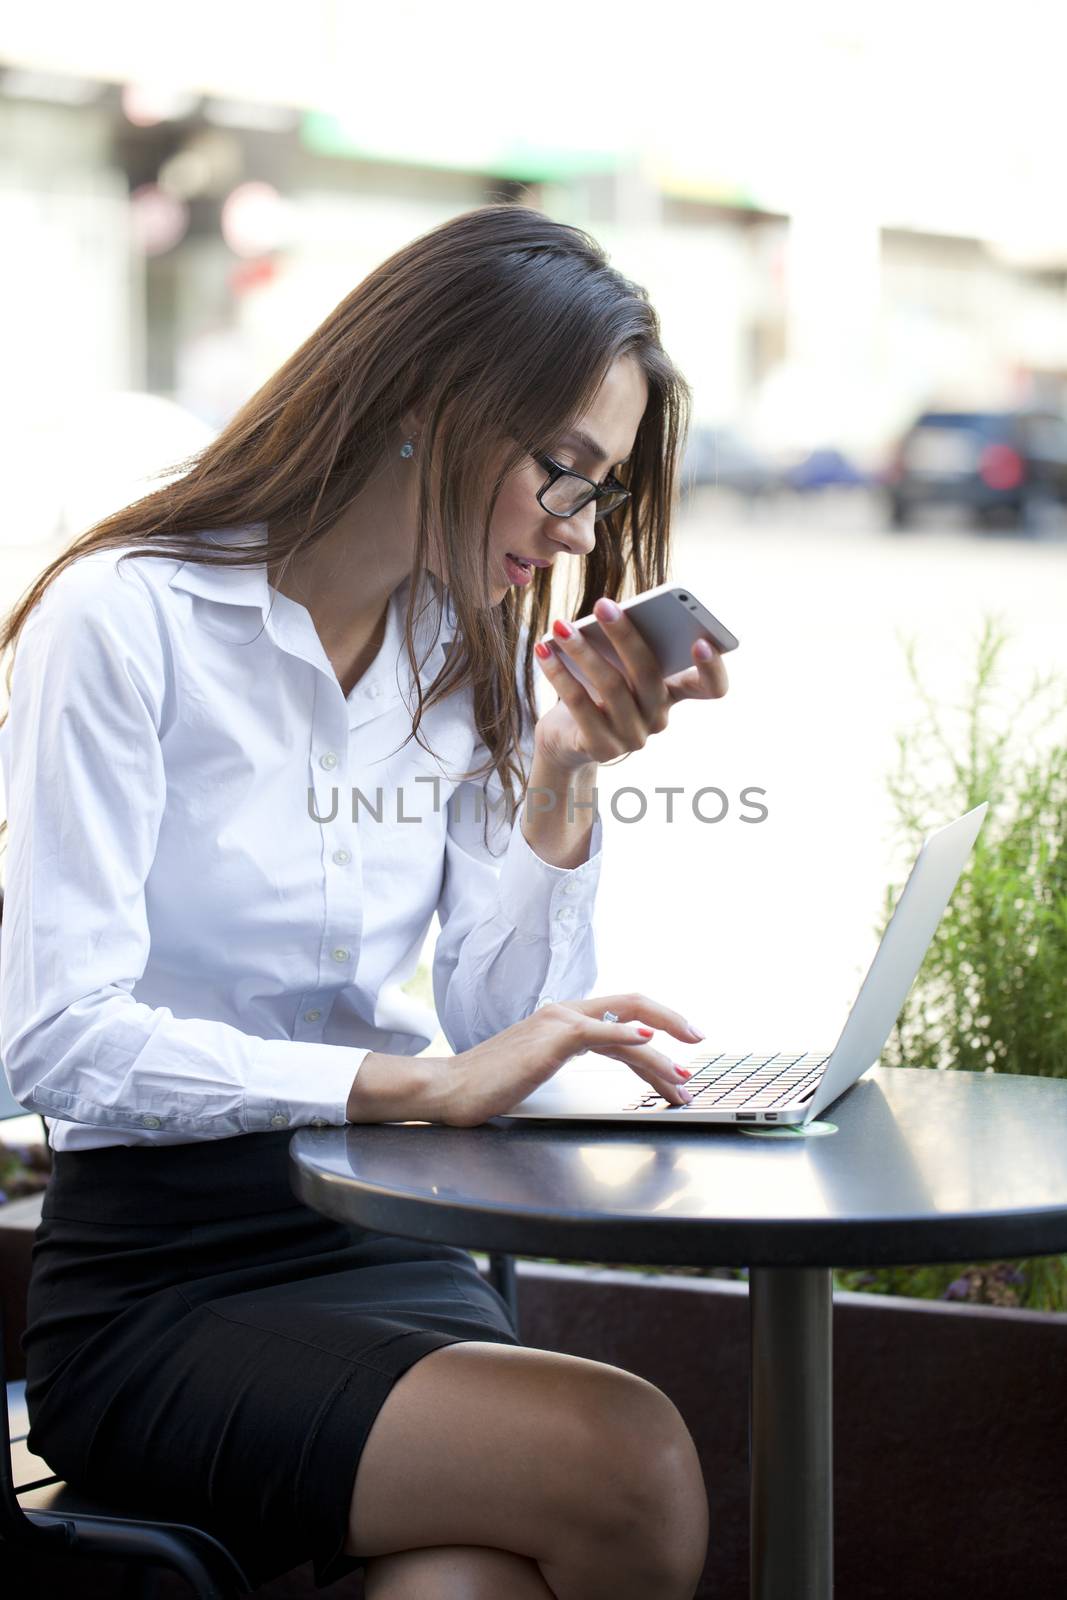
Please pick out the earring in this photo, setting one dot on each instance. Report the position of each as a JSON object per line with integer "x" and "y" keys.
{"x": 407, "y": 449}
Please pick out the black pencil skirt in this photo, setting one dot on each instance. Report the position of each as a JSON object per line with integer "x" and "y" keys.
{"x": 206, "y": 1348}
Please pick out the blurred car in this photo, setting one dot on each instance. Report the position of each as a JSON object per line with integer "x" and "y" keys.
{"x": 826, "y": 468}
{"x": 990, "y": 463}
{"x": 720, "y": 457}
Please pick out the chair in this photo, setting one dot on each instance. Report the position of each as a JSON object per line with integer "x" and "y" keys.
{"x": 38, "y": 1512}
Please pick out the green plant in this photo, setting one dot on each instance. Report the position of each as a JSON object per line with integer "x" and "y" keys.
{"x": 1038, "y": 1283}
{"x": 992, "y": 992}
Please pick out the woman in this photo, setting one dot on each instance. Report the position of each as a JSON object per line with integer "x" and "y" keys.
{"x": 204, "y": 944}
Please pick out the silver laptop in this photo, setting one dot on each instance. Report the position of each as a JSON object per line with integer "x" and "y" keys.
{"x": 783, "y": 1086}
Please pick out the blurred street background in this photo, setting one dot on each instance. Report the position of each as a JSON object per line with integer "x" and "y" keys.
{"x": 852, "y": 223}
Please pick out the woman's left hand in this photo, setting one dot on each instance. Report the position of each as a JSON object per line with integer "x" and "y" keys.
{"x": 581, "y": 728}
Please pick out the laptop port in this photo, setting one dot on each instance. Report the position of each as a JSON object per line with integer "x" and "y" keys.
{"x": 746, "y": 1116}
{"x": 770, "y": 1116}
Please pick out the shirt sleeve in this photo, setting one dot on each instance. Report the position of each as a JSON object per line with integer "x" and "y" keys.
{"x": 86, "y": 786}
{"x": 516, "y": 931}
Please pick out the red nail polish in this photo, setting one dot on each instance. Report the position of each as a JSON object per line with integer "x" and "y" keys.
{"x": 542, "y": 650}
{"x": 683, "y": 1072}
{"x": 645, "y": 1032}
{"x": 561, "y": 630}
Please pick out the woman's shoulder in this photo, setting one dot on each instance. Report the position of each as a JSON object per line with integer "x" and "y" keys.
{"x": 87, "y": 577}
{"x": 105, "y": 606}
{"x": 132, "y": 578}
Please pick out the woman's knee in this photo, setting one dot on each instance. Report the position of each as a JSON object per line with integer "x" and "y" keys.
{"x": 651, "y": 1487}
{"x": 536, "y": 1452}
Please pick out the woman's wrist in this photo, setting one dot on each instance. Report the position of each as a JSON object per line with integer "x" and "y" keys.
{"x": 559, "y": 811}
{"x": 398, "y": 1089}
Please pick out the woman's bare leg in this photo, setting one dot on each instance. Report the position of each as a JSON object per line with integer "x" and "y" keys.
{"x": 585, "y": 1469}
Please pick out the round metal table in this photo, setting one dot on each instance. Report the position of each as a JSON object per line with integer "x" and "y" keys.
{"x": 925, "y": 1166}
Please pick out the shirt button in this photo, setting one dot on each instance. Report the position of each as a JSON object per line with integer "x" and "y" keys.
{"x": 564, "y": 914}
{"x": 339, "y": 955}
{"x": 342, "y": 857}
{"x": 547, "y": 1001}
{"x": 328, "y": 760}
{"x": 570, "y": 888}
{"x": 150, "y": 1121}
{"x": 319, "y": 1122}
{"x": 312, "y": 1016}
{"x": 278, "y": 1121}
{"x": 374, "y": 690}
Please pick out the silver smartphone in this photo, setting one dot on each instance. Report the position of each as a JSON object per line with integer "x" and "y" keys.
{"x": 669, "y": 618}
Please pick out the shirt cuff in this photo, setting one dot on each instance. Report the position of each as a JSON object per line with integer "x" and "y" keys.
{"x": 544, "y": 901}
{"x": 295, "y": 1083}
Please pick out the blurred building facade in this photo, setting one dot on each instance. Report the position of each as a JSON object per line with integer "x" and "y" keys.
{"x": 181, "y": 235}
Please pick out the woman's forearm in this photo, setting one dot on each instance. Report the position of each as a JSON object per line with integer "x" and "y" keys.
{"x": 556, "y": 829}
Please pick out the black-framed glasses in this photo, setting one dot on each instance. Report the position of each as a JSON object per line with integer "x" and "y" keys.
{"x": 565, "y": 491}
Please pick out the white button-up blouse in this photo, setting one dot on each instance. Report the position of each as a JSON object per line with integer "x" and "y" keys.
{"x": 221, "y": 872}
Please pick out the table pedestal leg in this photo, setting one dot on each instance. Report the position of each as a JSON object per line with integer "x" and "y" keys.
{"x": 790, "y": 1440}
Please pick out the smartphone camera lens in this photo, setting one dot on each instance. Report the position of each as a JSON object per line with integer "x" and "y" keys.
{"x": 683, "y": 597}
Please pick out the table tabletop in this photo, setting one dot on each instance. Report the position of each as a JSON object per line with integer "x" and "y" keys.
{"x": 924, "y": 1166}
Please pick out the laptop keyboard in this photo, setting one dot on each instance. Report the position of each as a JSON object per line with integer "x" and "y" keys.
{"x": 747, "y": 1081}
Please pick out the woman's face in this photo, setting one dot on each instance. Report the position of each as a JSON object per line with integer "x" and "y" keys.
{"x": 520, "y": 527}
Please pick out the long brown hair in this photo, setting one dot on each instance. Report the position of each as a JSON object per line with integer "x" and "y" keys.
{"x": 499, "y": 325}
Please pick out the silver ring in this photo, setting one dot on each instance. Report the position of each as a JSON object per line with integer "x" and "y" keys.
{"x": 609, "y": 1016}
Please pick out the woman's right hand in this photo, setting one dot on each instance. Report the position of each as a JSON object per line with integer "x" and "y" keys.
{"x": 494, "y": 1076}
